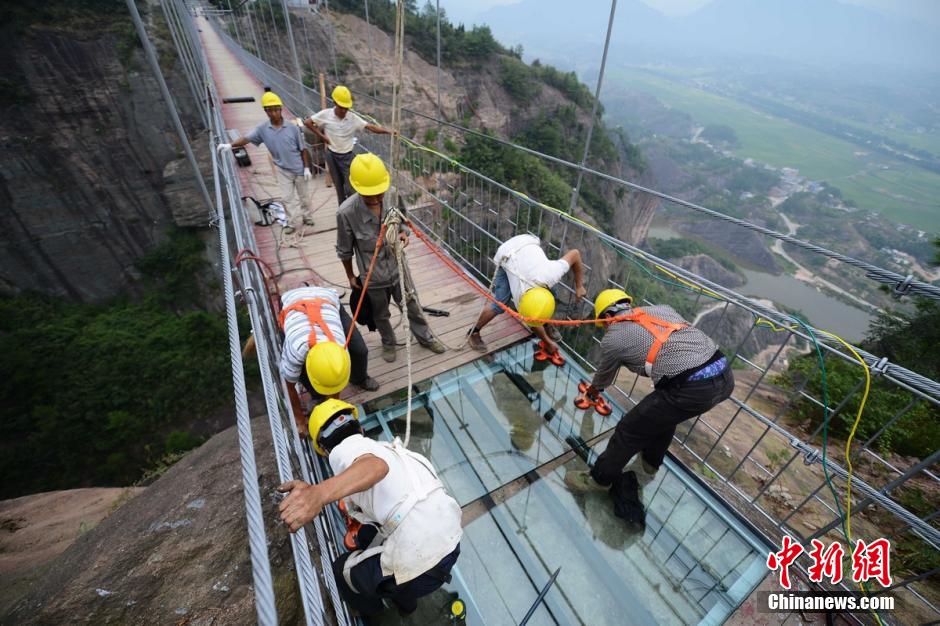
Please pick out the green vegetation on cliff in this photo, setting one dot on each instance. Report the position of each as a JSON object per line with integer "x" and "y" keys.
{"x": 99, "y": 394}
{"x": 909, "y": 340}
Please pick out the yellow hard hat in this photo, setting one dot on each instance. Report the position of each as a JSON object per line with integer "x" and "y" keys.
{"x": 537, "y": 302}
{"x": 270, "y": 99}
{"x": 609, "y": 297}
{"x": 342, "y": 96}
{"x": 323, "y": 413}
{"x": 368, "y": 176}
{"x": 328, "y": 367}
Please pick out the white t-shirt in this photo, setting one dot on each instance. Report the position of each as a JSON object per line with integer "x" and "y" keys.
{"x": 428, "y": 533}
{"x": 340, "y": 132}
{"x": 297, "y": 328}
{"x": 527, "y": 266}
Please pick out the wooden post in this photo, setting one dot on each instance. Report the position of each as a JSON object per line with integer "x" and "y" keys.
{"x": 326, "y": 161}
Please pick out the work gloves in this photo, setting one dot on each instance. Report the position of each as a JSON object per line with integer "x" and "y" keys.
{"x": 223, "y": 147}
{"x": 307, "y": 174}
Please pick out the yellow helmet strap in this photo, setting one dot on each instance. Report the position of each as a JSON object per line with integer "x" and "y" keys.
{"x": 616, "y": 308}
{"x": 334, "y": 432}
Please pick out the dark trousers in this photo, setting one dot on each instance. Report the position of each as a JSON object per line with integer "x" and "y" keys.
{"x": 358, "y": 356}
{"x": 339, "y": 172}
{"x": 371, "y": 587}
{"x": 650, "y": 426}
{"x": 381, "y": 299}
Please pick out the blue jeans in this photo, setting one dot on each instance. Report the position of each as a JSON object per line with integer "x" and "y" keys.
{"x": 501, "y": 291}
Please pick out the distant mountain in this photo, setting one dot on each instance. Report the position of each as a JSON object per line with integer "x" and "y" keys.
{"x": 818, "y": 32}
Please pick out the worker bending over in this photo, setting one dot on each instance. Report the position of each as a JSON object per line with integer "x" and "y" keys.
{"x": 315, "y": 326}
{"x": 339, "y": 129}
{"x": 285, "y": 142}
{"x": 523, "y": 278}
{"x": 358, "y": 222}
{"x": 410, "y": 534}
{"x": 690, "y": 376}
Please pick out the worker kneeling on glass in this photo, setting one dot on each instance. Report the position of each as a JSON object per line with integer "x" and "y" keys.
{"x": 690, "y": 376}
{"x": 410, "y": 534}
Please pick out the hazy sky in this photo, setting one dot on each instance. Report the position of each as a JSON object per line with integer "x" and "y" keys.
{"x": 926, "y": 10}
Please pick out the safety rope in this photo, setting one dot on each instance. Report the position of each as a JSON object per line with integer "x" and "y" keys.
{"x": 365, "y": 283}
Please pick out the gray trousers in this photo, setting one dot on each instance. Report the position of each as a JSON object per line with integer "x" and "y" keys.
{"x": 339, "y": 172}
{"x": 381, "y": 298}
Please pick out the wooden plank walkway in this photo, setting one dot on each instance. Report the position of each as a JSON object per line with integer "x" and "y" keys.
{"x": 309, "y": 254}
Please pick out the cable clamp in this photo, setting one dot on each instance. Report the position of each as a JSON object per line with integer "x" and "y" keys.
{"x": 810, "y": 454}
{"x": 902, "y": 288}
{"x": 881, "y": 366}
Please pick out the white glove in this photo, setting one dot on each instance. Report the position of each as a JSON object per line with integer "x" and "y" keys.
{"x": 307, "y": 174}
{"x": 223, "y": 147}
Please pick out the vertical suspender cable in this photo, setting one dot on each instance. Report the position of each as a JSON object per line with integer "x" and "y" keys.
{"x": 254, "y": 35}
{"x": 313, "y": 68}
{"x": 329, "y": 24}
{"x": 277, "y": 35}
{"x": 238, "y": 34}
{"x": 168, "y": 99}
{"x": 188, "y": 68}
{"x": 440, "y": 111}
{"x": 293, "y": 52}
{"x": 597, "y": 97}
{"x": 372, "y": 77}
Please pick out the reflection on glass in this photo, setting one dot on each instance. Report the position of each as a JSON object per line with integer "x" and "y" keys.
{"x": 500, "y": 433}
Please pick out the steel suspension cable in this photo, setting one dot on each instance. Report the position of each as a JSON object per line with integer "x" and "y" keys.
{"x": 293, "y": 52}
{"x": 597, "y": 98}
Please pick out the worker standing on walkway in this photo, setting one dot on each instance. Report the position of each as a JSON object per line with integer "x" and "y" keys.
{"x": 339, "y": 129}
{"x": 285, "y": 142}
{"x": 523, "y": 278}
{"x": 358, "y": 221}
{"x": 690, "y": 376}
{"x": 315, "y": 326}
{"x": 410, "y": 534}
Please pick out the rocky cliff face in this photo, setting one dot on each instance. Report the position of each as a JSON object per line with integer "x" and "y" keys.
{"x": 710, "y": 269}
{"x": 176, "y": 553}
{"x": 88, "y": 148}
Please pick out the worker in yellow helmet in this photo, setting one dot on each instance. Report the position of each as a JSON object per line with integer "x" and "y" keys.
{"x": 690, "y": 376}
{"x": 523, "y": 279}
{"x": 337, "y": 126}
{"x": 315, "y": 326}
{"x": 358, "y": 221}
{"x": 286, "y": 144}
{"x": 410, "y": 532}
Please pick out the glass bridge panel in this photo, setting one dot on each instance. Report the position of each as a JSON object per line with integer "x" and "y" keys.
{"x": 500, "y": 432}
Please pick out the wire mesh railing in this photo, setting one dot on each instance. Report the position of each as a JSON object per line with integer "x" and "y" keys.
{"x": 763, "y": 449}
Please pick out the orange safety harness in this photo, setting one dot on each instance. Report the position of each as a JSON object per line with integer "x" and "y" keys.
{"x": 659, "y": 328}
{"x": 312, "y": 308}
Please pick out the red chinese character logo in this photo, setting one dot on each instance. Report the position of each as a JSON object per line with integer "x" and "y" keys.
{"x": 872, "y": 560}
{"x": 826, "y": 563}
{"x": 783, "y": 559}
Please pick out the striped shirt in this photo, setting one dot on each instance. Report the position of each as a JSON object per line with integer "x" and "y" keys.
{"x": 628, "y": 343}
{"x": 297, "y": 328}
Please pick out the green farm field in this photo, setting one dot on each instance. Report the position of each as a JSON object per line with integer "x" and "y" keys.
{"x": 898, "y": 190}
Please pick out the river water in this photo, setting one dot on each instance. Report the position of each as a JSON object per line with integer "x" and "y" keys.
{"x": 820, "y": 309}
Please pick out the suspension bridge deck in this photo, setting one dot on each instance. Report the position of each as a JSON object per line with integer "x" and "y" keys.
{"x": 309, "y": 255}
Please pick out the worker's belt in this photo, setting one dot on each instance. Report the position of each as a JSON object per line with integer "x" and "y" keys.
{"x": 681, "y": 377}
{"x": 710, "y": 371}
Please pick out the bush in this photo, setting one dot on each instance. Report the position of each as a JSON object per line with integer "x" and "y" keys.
{"x": 518, "y": 80}
{"x": 91, "y": 390}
